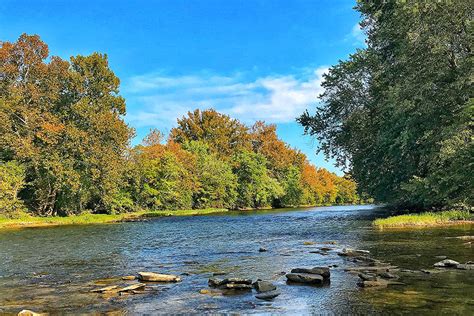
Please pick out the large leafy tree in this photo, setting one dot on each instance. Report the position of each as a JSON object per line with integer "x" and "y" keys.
{"x": 62, "y": 121}
{"x": 224, "y": 135}
{"x": 398, "y": 114}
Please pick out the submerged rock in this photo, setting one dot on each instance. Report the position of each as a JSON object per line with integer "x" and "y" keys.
{"x": 305, "y": 278}
{"x": 156, "y": 277}
{"x": 129, "y": 277}
{"x": 264, "y": 286}
{"x": 447, "y": 263}
{"x": 132, "y": 287}
{"x": 237, "y": 286}
{"x": 269, "y": 295}
{"x": 465, "y": 266}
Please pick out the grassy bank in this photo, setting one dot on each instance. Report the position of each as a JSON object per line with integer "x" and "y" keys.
{"x": 425, "y": 219}
{"x": 26, "y": 220}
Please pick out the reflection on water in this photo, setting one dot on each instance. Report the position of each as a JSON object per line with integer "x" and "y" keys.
{"x": 53, "y": 269}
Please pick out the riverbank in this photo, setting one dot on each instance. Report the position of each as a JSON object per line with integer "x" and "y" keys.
{"x": 426, "y": 219}
{"x": 26, "y": 220}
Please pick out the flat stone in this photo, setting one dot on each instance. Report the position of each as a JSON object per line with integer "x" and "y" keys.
{"x": 377, "y": 283}
{"x": 237, "y": 281}
{"x": 446, "y": 263}
{"x": 129, "y": 277}
{"x": 348, "y": 252}
{"x": 264, "y": 286}
{"x": 27, "y": 312}
{"x": 441, "y": 257}
{"x": 305, "y": 278}
{"x": 157, "y": 277}
{"x": 237, "y": 286}
{"x": 367, "y": 277}
{"x": 105, "y": 289}
{"x": 388, "y": 275}
{"x": 465, "y": 266}
{"x": 268, "y": 295}
{"x": 323, "y": 271}
{"x": 132, "y": 287}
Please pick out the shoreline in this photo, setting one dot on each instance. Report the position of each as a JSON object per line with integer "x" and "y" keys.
{"x": 30, "y": 221}
{"x": 423, "y": 220}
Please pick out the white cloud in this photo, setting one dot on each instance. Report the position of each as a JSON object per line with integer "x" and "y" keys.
{"x": 157, "y": 100}
{"x": 357, "y": 35}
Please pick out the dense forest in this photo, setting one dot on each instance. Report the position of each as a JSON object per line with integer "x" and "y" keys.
{"x": 65, "y": 148}
{"x": 398, "y": 115}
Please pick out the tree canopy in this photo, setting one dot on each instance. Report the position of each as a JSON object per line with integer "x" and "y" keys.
{"x": 398, "y": 114}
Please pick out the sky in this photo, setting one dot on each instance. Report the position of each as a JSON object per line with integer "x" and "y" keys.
{"x": 250, "y": 59}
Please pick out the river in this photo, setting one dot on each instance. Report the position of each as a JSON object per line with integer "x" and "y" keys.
{"x": 53, "y": 269}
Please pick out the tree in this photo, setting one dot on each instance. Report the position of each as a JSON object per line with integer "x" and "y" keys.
{"x": 12, "y": 180}
{"x": 292, "y": 187}
{"x": 224, "y": 135}
{"x": 398, "y": 114}
{"x": 255, "y": 187}
{"x": 216, "y": 183}
{"x": 63, "y": 122}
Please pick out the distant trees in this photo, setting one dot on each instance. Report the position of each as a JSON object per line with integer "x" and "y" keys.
{"x": 64, "y": 148}
{"x": 398, "y": 114}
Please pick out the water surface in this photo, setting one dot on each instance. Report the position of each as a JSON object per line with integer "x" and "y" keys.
{"x": 53, "y": 269}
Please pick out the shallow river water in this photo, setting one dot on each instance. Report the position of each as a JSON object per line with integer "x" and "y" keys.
{"x": 53, "y": 269}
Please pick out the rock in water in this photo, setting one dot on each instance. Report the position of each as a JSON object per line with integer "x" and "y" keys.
{"x": 268, "y": 295}
{"x": 237, "y": 286}
{"x": 367, "y": 277}
{"x": 447, "y": 263}
{"x": 128, "y": 277}
{"x": 323, "y": 271}
{"x": 465, "y": 266}
{"x": 156, "y": 277}
{"x": 264, "y": 286}
{"x": 105, "y": 289}
{"x": 132, "y": 287}
{"x": 27, "y": 312}
{"x": 305, "y": 278}
{"x": 377, "y": 283}
{"x": 237, "y": 281}
{"x": 262, "y": 249}
{"x": 213, "y": 282}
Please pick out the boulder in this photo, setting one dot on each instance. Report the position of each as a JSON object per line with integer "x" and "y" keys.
{"x": 156, "y": 277}
{"x": 446, "y": 263}
{"x": 264, "y": 286}
{"x": 268, "y": 295}
{"x": 305, "y": 278}
{"x": 323, "y": 271}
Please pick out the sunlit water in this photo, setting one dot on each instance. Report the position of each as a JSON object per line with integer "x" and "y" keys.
{"x": 53, "y": 269}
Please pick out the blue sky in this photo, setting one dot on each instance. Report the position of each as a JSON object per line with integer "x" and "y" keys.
{"x": 251, "y": 59}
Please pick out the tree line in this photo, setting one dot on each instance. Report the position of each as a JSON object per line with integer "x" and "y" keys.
{"x": 65, "y": 148}
{"x": 398, "y": 115}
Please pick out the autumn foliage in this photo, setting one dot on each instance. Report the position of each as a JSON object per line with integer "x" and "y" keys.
{"x": 65, "y": 148}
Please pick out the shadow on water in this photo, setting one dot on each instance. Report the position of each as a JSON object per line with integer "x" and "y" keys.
{"x": 53, "y": 269}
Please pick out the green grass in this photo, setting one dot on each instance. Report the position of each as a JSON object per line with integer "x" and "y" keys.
{"x": 424, "y": 219}
{"x": 26, "y": 220}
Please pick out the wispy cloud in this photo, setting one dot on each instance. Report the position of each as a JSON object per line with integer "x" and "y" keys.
{"x": 357, "y": 35}
{"x": 158, "y": 99}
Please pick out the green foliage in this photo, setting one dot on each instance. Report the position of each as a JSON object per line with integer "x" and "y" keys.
{"x": 216, "y": 182}
{"x": 293, "y": 191}
{"x": 255, "y": 187}
{"x": 12, "y": 180}
{"x": 398, "y": 114}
